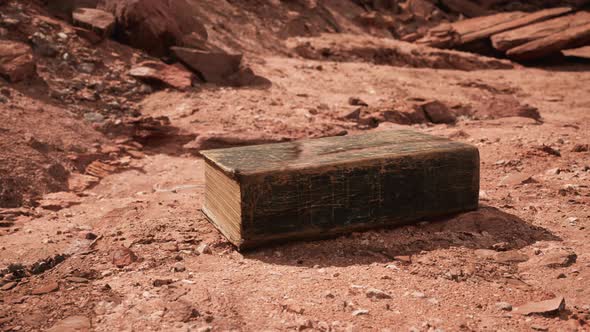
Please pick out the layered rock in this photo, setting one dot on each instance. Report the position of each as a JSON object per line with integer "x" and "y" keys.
{"x": 16, "y": 61}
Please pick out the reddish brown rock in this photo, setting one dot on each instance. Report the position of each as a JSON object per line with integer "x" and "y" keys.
{"x": 72, "y": 324}
{"x": 437, "y": 112}
{"x": 513, "y": 38}
{"x": 515, "y": 23}
{"x": 59, "y": 200}
{"x": 88, "y": 35}
{"x": 50, "y": 287}
{"x": 155, "y": 25}
{"x": 582, "y": 52}
{"x": 16, "y": 61}
{"x": 214, "y": 67}
{"x": 551, "y": 45}
{"x": 123, "y": 257}
{"x": 542, "y": 307}
{"x": 96, "y": 20}
{"x": 175, "y": 76}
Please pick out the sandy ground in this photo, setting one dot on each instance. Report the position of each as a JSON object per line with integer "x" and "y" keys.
{"x": 135, "y": 253}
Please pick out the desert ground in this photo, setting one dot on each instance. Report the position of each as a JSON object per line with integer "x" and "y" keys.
{"x": 101, "y": 181}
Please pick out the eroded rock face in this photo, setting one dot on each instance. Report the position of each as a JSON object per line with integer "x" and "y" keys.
{"x": 155, "y": 25}
{"x": 16, "y": 61}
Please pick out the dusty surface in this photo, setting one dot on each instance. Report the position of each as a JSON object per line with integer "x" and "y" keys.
{"x": 133, "y": 251}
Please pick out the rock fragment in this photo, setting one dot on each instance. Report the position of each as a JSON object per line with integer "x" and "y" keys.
{"x": 543, "y": 307}
{"x": 504, "y": 306}
{"x": 214, "y": 67}
{"x": 175, "y": 76}
{"x": 123, "y": 257}
{"x": 374, "y": 293}
{"x": 16, "y": 61}
{"x": 50, "y": 287}
{"x": 98, "y": 21}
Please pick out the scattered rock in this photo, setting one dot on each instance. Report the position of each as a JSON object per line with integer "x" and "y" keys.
{"x": 50, "y": 287}
{"x": 374, "y": 293}
{"x": 437, "y": 112}
{"x": 123, "y": 257}
{"x": 72, "y": 324}
{"x": 204, "y": 248}
{"x": 59, "y": 200}
{"x": 96, "y": 20}
{"x": 511, "y": 257}
{"x": 504, "y": 306}
{"x": 418, "y": 295}
{"x": 16, "y": 61}
{"x": 537, "y": 327}
{"x": 175, "y": 76}
{"x": 77, "y": 280}
{"x": 8, "y": 286}
{"x": 214, "y": 67}
{"x": 162, "y": 282}
{"x": 179, "y": 267}
{"x": 549, "y": 150}
{"x": 558, "y": 258}
{"x": 581, "y": 148}
{"x": 44, "y": 45}
{"x": 359, "y": 312}
{"x": 501, "y": 246}
{"x": 403, "y": 259}
{"x": 355, "y": 101}
{"x": 516, "y": 179}
{"x": 544, "y": 307}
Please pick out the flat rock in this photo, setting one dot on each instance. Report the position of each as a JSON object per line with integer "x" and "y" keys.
{"x": 518, "y": 22}
{"x": 515, "y": 179}
{"x": 59, "y": 200}
{"x": 551, "y": 45}
{"x": 175, "y": 76}
{"x": 438, "y": 112}
{"x": 582, "y": 52}
{"x": 72, "y": 324}
{"x": 96, "y": 20}
{"x": 16, "y": 61}
{"x": 513, "y": 38}
{"x": 50, "y": 287}
{"x": 558, "y": 258}
{"x": 542, "y": 307}
{"x": 214, "y": 67}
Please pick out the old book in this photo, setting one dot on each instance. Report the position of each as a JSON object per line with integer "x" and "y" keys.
{"x": 321, "y": 187}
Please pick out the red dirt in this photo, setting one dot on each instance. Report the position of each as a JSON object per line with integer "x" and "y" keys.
{"x": 129, "y": 248}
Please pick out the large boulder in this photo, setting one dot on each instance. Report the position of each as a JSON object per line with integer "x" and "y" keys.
{"x": 155, "y": 25}
{"x": 16, "y": 61}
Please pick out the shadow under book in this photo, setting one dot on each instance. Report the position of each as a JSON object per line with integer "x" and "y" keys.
{"x": 316, "y": 188}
